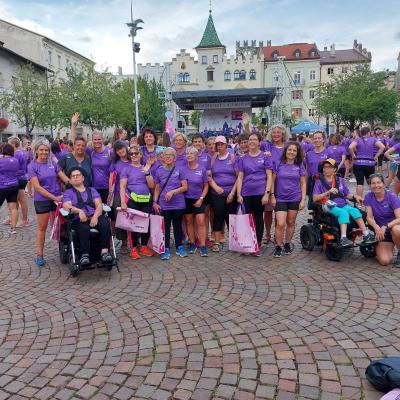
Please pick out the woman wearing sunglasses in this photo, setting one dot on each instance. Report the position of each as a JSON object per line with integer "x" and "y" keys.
{"x": 383, "y": 214}
{"x": 135, "y": 186}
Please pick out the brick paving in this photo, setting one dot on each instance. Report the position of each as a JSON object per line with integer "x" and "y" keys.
{"x": 226, "y": 327}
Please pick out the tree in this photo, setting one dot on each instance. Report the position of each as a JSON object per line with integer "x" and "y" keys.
{"x": 195, "y": 118}
{"x": 27, "y": 100}
{"x": 360, "y": 96}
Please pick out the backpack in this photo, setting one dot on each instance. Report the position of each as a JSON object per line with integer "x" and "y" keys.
{"x": 384, "y": 374}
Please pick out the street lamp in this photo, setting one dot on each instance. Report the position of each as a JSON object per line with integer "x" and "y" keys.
{"x": 134, "y": 27}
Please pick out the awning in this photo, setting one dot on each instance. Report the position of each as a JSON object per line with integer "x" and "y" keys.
{"x": 219, "y": 99}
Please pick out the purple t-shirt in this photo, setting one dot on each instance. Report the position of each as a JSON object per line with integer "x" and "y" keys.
{"x": 287, "y": 182}
{"x": 306, "y": 146}
{"x": 313, "y": 159}
{"x": 346, "y": 143}
{"x": 365, "y": 151}
{"x": 9, "y": 170}
{"x": 46, "y": 173}
{"x": 137, "y": 182}
{"x": 276, "y": 153}
{"x": 319, "y": 188}
{"x": 383, "y": 211}
{"x": 101, "y": 162}
{"x": 181, "y": 160}
{"x": 177, "y": 201}
{"x": 204, "y": 160}
{"x": 224, "y": 173}
{"x": 23, "y": 162}
{"x": 118, "y": 167}
{"x": 196, "y": 179}
{"x": 254, "y": 173}
{"x": 70, "y": 195}
{"x": 336, "y": 152}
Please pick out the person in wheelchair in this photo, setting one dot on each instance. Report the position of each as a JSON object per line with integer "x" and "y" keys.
{"x": 331, "y": 190}
{"x": 86, "y": 204}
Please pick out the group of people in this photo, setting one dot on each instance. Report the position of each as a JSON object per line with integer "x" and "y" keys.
{"x": 197, "y": 185}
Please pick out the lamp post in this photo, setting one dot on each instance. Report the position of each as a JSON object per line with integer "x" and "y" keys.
{"x": 134, "y": 27}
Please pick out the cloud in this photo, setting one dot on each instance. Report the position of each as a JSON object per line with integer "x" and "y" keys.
{"x": 86, "y": 39}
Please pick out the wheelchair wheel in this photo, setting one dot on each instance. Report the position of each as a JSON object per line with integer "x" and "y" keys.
{"x": 63, "y": 252}
{"x": 308, "y": 237}
{"x": 368, "y": 251}
{"x": 333, "y": 252}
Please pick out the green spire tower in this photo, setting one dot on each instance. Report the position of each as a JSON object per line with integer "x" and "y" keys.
{"x": 210, "y": 37}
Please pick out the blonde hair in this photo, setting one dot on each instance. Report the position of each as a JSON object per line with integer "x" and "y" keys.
{"x": 284, "y": 131}
{"x": 14, "y": 140}
{"x": 180, "y": 134}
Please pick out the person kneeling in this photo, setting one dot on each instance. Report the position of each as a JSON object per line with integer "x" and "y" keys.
{"x": 332, "y": 190}
{"x": 86, "y": 203}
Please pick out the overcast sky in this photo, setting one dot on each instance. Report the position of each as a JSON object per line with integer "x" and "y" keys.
{"x": 96, "y": 28}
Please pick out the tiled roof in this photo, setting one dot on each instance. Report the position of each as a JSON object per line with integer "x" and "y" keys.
{"x": 289, "y": 51}
{"x": 343, "y": 56}
{"x": 210, "y": 37}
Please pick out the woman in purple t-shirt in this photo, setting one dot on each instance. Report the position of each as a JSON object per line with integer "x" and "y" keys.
{"x": 392, "y": 154}
{"x": 338, "y": 152}
{"x": 254, "y": 183}
{"x": 179, "y": 142}
{"x": 44, "y": 175}
{"x": 277, "y": 136}
{"x": 383, "y": 214}
{"x": 135, "y": 189}
{"x": 197, "y": 180}
{"x": 148, "y": 140}
{"x": 9, "y": 170}
{"x": 289, "y": 182}
{"x": 169, "y": 200}
{"x": 362, "y": 152}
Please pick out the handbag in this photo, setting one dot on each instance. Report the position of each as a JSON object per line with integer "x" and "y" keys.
{"x": 242, "y": 232}
{"x": 132, "y": 220}
{"x": 157, "y": 234}
{"x": 56, "y": 227}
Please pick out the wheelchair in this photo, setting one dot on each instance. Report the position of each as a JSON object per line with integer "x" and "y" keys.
{"x": 68, "y": 246}
{"x": 323, "y": 230}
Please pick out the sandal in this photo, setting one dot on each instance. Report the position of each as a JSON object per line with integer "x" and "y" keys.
{"x": 215, "y": 248}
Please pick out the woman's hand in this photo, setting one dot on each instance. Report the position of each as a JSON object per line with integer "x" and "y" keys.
{"x": 239, "y": 199}
{"x": 94, "y": 221}
{"x": 198, "y": 203}
{"x": 380, "y": 233}
{"x": 333, "y": 190}
{"x": 265, "y": 199}
{"x": 230, "y": 198}
{"x": 82, "y": 216}
{"x": 168, "y": 196}
{"x": 124, "y": 206}
{"x": 302, "y": 205}
{"x": 273, "y": 201}
{"x": 75, "y": 119}
{"x": 358, "y": 198}
{"x": 219, "y": 190}
{"x": 156, "y": 208}
{"x": 57, "y": 199}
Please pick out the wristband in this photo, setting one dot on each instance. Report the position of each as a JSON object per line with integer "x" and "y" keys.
{"x": 147, "y": 174}
{"x": 201, "y": 198}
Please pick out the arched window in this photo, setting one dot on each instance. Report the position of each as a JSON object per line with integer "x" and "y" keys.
{"x": 275, "y": 54}
{"x": 313, "y": 52}
{"x": 243, "y": 75}
{"x": 236, "y": 75}
{"x": 252, "y": 74}
{"x": 297, "y": 53}
{"x": 227, "y": 75}
{"x": 186, "y": 77}
{"x": 180, "y": 77}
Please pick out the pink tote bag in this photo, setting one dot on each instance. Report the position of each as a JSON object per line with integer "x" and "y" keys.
{"x": 132, "y": 220}
{"x": 157, "y": 234}
{"x": 242, "y": 232}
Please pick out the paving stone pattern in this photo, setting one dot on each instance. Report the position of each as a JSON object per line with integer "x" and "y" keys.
{"x": 223, "y": 327}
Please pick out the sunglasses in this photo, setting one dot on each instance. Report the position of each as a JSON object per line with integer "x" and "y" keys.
{"x": 135, "y": 153}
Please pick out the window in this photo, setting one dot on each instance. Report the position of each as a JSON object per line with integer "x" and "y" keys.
{"x": 67, "y": 63}
{"x": 311, "y": 112}
{"x": 242, "y": 75}
{"x": 275, "y": 54}
{"x": 312, "y": 53}
{"x": 312, "y": 94}
{"x": 215, "y": 59}
{"x": 312, "y": 75}
{"x": 180, "y": 77}
{"x": 344, "y": 70}
{"x": 227, "y": 75}
{"x": 186, "y": 77}
{"x": 236, "y": 75}
{"x": 296, "y": 112}
{"x": 330, "y": 71}
{"x": 210, "y": 76}
{"x": 59, "y": 61}
{"x": 252, "y": 74}
{"x": 275, "y": 77}
{"x": 204, "y": 59}
{"x": 297, "y": 53}
{"x": 297, "y": 77}
{"x": 49, "y": 54}
{"x": 297, "y": 94}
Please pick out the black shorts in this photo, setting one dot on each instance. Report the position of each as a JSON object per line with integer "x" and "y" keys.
{"x": 191, "y": 209}
{"x": 341, "y": 172}
{"x": 22, "y": 184}
{"x": 388, "y": 237}
{"x": 44, "y": 206}
{"x": 363, "y": 172}
{"x": 103, "y": 194}
{"x": 287, "y": 206}
{"x": 10, "y": 194}
{"x": 207, "y": 199}
{"x": 380, "y": 160}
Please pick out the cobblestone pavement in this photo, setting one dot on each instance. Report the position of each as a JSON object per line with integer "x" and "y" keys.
{"x": 229, "y": 326}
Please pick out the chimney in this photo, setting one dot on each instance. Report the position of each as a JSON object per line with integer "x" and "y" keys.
{"x": 360, "y": 47}
{"x": 333, "y": 52}
{"x": 355, "y": 44}
{"x": 1, "y": 44}
{"x": 120, "y": 71}
{"x": 268, "y": 43}
{"x": 325, "y": 48}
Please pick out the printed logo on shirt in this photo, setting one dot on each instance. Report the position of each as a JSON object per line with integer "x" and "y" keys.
{"x": 198, "y": 173}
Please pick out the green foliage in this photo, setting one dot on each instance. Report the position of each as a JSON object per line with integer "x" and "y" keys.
{"x": 195, "y": 118}
{"x": 26, "y": 100}
{"x": 360, "y": 96}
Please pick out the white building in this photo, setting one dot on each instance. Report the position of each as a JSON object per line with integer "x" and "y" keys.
{"x": 41, "y": 49}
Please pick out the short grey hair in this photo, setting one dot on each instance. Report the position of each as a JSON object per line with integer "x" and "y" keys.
{"x": 192, "y": 150}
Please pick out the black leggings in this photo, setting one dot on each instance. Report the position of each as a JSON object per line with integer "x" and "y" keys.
{"x": 176, "y": 217}
{"x": 83, "y": 231}
{"x": 253, "y": 205}
{"x": 362, "y": 172}
{"x": 221, "y": 211}
{"x": 144, "y": 237}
